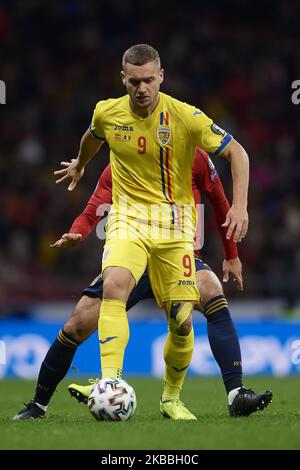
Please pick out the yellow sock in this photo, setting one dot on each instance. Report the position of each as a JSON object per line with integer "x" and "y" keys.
{"x": 113, "y": 330}
{"x": 178, "y": 352}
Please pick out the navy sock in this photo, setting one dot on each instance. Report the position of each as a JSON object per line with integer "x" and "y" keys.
{"x": 224, "y": 341}
{"x": 55, "y": 366}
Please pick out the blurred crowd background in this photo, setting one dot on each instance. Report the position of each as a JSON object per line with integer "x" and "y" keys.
{"x": 235, "y": 60}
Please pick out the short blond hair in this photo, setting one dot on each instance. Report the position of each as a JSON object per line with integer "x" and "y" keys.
{"x": 140, "y": 54}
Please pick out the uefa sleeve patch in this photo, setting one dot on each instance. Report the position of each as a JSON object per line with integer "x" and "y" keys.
{"x": 217, "y": 130}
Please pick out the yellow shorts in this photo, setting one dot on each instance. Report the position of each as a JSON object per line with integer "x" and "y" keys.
{"x": 170, "y": 260}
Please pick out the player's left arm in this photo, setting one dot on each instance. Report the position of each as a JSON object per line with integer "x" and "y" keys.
{"x": 214, "y": 140}
{"x": 208, "y": 181}
{"x": 237, "y": 217}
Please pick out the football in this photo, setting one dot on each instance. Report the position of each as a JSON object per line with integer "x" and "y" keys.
{"x": 112, "y": 400}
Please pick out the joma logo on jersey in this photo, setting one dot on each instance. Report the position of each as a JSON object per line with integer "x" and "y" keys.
{"x": 123, "y": 128}
{"x": 183, "y": 282}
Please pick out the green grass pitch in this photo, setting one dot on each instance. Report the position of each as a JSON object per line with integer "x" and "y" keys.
{"x": 69, "y": 425}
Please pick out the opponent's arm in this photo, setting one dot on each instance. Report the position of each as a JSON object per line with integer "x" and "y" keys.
{"x": 89, "y": 146}
{"x": 86, "y": 221}
{"x": 98, "y": 204}
{"x": 81, "y": 228}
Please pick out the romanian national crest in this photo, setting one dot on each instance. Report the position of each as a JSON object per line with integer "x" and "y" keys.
{"x": 163, "y": 134}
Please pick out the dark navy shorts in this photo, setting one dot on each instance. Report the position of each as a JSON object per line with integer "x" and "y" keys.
{"x": 141, "y": 291}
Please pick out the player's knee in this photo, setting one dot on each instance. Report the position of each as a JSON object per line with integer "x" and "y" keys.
{"x": 209, "y": 288}
{"x": 78, "y": 326}
{"x": 210, "y": 293}
{"x": 76, "y": 330}
{"x": 185, "y": 328}
{"x": 113, "y": 288}
{"x": 179, "y": 317}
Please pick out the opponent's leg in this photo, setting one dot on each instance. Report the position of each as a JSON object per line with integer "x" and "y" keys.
{"x": 224, "y": 343}
{"x": 221, "y": 332}
{"x": 82, "y": 323}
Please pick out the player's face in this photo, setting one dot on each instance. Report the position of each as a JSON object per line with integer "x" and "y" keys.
{"x": 142, "y": 83}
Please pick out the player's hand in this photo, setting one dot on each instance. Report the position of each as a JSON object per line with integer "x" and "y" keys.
{"x": 72, "y": 171}
{"x": 233, "y": 266}
{"x": 67, "y": 240}
{"x": 237, "y": 223}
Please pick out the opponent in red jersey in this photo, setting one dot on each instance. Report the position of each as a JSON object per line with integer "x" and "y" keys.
{"x": 84, "y": 319}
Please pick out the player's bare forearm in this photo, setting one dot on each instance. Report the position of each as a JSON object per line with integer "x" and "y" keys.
{"x": 239, "y": 160}
{"x": 240, "y": 177}
{"x": 89, "y": 146}
{"x": 237, "y": 216}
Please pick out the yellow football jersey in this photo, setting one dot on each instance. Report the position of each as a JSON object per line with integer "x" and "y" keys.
{"x": 151, "y": 158}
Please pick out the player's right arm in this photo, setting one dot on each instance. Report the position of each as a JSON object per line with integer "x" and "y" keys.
{"x": 90, "y": 144}
{"x": 90, "y": 216}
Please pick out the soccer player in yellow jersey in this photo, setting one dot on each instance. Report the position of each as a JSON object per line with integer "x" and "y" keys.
{"x": 152, "y": 139}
